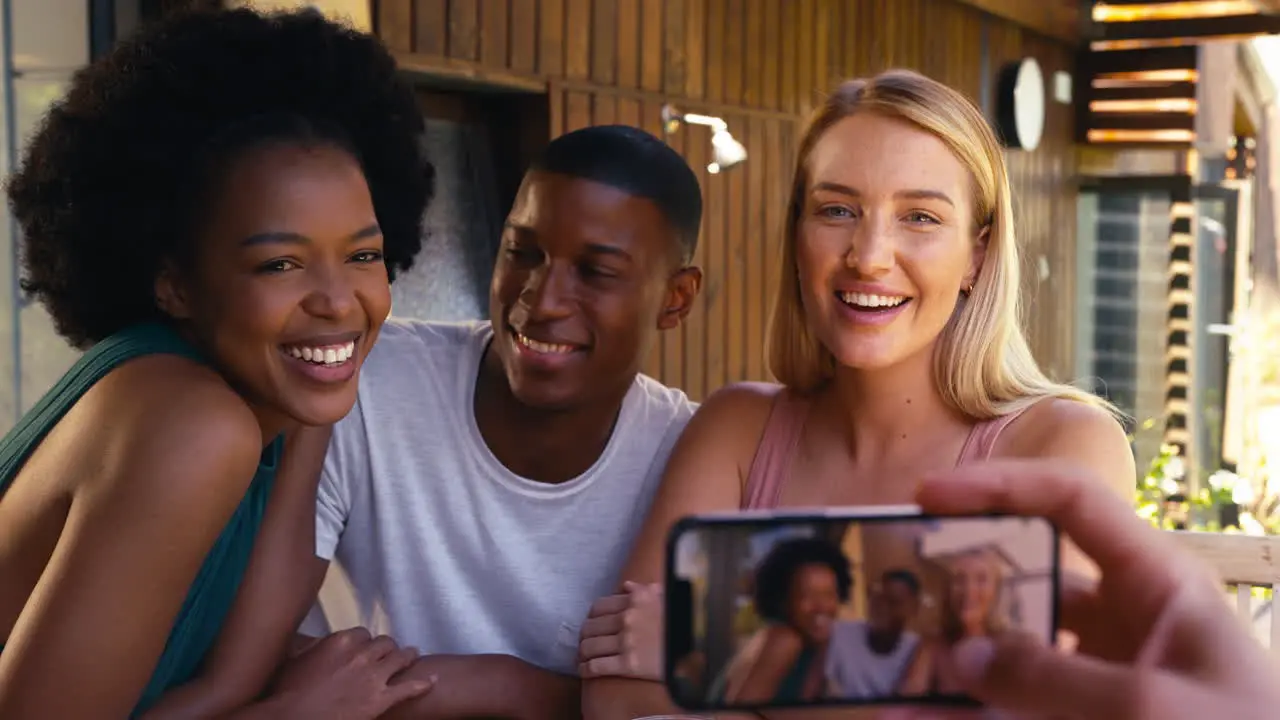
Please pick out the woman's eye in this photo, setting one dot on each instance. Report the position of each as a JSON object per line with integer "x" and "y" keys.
{"x": 836, "y": 212}
{"x": 921, "y": 217}
{"x": 367, "y": 256}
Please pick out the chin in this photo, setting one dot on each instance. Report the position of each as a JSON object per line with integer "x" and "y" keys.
{"x": 543, "y": 397}
{"x": 323, "y": 410}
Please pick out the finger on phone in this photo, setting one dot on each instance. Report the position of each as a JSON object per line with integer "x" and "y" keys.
{"x": 1093, "y": 517}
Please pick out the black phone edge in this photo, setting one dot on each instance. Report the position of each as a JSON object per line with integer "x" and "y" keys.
{"x": 692, "y": 521}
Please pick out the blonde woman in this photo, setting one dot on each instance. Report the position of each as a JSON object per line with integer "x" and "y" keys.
{"x": 971, "y": 608}
{"x": 895, "y": 339}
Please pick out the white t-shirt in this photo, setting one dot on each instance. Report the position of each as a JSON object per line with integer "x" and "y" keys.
{"x": 438, "y": 544}
{"x": 858, "y": 671}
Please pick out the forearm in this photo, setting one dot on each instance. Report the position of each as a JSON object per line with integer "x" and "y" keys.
{"x": 488, "y": 686}
{"x": 199, "y": 699}
{"x": 614, "y": 698}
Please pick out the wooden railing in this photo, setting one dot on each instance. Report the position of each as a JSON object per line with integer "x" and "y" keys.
{"x": 1244, "y": 562}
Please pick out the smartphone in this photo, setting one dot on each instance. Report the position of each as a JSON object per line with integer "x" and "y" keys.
{"x": 845, "y": 607}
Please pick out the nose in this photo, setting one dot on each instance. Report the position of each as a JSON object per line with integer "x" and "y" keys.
{"x": 546, "y": 293}
{"x": 331, "y": 295}
{"x": 872, "y": 247}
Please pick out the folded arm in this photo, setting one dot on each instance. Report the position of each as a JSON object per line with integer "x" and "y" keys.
{"x": 281, "y": 584}
{"x": 488, "y": 686}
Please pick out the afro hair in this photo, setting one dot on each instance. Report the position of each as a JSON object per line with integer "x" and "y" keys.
{"x": 114, "y": 180}
{"x": 778, "y": 570}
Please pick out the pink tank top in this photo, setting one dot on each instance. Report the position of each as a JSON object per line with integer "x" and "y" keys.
{"x": 782, "y": 433}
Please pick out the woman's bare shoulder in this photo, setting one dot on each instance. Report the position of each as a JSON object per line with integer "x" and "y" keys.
{"x": 159, "y": 417}
{"x": 738, "y": 409}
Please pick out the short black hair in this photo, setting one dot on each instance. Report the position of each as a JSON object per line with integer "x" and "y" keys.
{"x": 114, "y": 181}
{"x": 778, "y": 569}
{"x": 637, "y": 163}
{"x": 903, "y": 576}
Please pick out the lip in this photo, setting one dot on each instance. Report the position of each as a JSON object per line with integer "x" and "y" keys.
{"x": 870, "y": 318}
{"x": 323, "y": 339}
{"x": 328, "y": 375}
{"x": 543, "y": 361}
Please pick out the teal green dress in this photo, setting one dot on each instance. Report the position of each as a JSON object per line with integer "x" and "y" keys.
{"x": 792, "y": 685}
{"x": 211, "y": 594}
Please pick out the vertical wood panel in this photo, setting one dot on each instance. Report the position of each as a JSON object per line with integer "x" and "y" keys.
{"x": 717, "y": 278}
{"x": 715, "y": 59}
{"x": 772, "y": 50}
{"x": 604, "y": 109}
{"x": 464, "y": 29}
{"x": 629, "y": 112}
{"x": 806, "y": 83}
{"x": 524, "y": 36}
{"x": 431, "y": 27}
{"x": 734, "y": 53}
{"x": 818, "y": 48}
{"x": 577, "y": 39}
{"x": 551, "y": 37}
{"x": 788, "y": 98}
{"x": 395, "y": 24}
{"x": 577, "y": 111}
{"x": 651, "y": 26}
{"x": 695, "y": 48}
{"x": 604, "y": 42}
{"x": 735, "y": 275}
{"x": 628, "y": 34}
{"x": 757, "y": 181}
{"x": 494, "y": 43}
{"x": 673, "y": 42}
{"x": 753, "y": 80}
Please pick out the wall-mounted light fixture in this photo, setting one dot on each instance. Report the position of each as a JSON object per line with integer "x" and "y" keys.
{"x": 726, "y": 151}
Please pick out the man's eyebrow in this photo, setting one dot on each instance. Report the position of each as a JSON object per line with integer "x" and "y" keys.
{"x": 605, "y": 249}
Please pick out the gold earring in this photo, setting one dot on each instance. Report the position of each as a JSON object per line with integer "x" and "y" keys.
{"x": 969, "y": 290}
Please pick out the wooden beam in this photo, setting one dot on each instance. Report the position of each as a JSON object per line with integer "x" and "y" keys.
{"x": 450, "y": 73}
{"x": 1058, "y": 19}
{"x": 1219, "y": 27}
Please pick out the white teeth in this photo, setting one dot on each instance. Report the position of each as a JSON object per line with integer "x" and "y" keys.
{"x": 872, "y": 301}
{"x": 325, "y": 355}
{"x": 542, "y": 347}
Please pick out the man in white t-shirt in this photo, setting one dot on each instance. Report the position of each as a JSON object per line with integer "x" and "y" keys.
{"x": 489, "y": 482}
{"x": 867, "y": 659}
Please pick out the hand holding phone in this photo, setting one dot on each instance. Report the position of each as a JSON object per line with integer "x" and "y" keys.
{"x": 1157, "y": 642}
{"x": 846, "y": 607}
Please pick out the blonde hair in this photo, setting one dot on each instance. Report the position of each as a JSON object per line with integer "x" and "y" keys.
{"x": 996, "y": 621}
{"x": 983, "y": 366}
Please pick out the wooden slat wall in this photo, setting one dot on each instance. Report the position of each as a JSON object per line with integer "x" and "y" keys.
{"x": 761, "y": 65}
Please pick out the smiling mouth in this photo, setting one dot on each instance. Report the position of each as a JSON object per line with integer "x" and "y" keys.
{"x": 543, "y": 348}
{"x": 322, "y": 355}
{"x": 872, "y": 303}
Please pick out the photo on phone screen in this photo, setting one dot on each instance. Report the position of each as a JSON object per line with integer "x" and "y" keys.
{"x": 839, "y": 610}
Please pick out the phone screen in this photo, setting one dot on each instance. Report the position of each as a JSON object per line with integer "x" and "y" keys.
{"x": 790, "y": 611}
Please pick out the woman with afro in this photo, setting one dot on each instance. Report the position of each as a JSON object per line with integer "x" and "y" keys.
{"x": 798, "y": 590}
{"x": 213, "y": 213}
